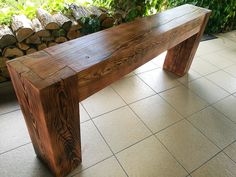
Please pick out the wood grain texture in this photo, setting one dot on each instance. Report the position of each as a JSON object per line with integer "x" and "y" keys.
{"x": 50, "y": 83}
{"x": 179, "y": 58}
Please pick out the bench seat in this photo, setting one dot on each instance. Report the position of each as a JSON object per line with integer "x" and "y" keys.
{"x": 50, "y": 84}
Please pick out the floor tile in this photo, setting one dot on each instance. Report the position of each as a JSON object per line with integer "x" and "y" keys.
{"x": 129, "y": 75}
{"x": 107, "y": 168}
{"x": 22, "y": 162}
{"x": 150, "y": 159}
{"x": 207, "y": 47}
{"x": 156, "y": 113}
{"x": 94, "y": 148}
{"x": 229, "y": 54}
{"x": 121, "y": 128}
{"x": 215, "y": 126}
{"x": 227, "y": 107}
{"x": 83, "y": 114}
{"x": 224, "y": 80}
{"x": 231, "y": 151}
{"x": 190, "y": 76}
{"x": 217, "y": 60}
{"x": 184, "y": 101}
{"x": 146, "y": 67}
{"x": 203, "y": 67}
{"x": 229, "y": 35}
{"x": 132, "y": 89}
{"x": 207, "y": 90}
{"x": 219, "y": 166}
{"x": 159, "y": 80}
{"x": 103, "y": 101}
{"x": 13, "y": 131}
{"x": 231, "y": 70}
{"x": 8, "y": 101}
{"x": 187, "y": 144}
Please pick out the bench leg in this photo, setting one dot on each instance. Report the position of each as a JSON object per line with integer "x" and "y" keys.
{"x": 179, "y": 58}
{"x": 52, "y": 118}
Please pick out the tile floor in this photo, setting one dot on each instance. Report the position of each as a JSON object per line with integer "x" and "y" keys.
{"x": 148, "y": 124}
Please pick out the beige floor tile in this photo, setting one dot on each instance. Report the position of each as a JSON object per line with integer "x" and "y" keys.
{"x": 217, "y": 60}
{"x": 146, "y": 67}
{"x": 8, "y": 101}
{"x": 187, "y": 144}
{"x": 229, "y": 35}
{"x": 150, "y": 159}
{"x": 22, "y": 162}
{"x": 229, "y": 54}
{"x": 221, "y": 43}
{"x": 207, "y": 47}
{"x": 219, "y": 166}
{"x": 159, "y": 60}
{"x": 129, "y": 75}
{"x": 107, "y": 168}
{"x": 227, "y": 107}
{"x": 231, "y": 151}
{"x": 132, "y": 89}
{"x": 207, "y": 90}
{"x": 83, "y": 114}
{"x": 121, "y": 128}
{"x": 224, "y": 80}
{"x": 215, "y": 126}
{"x": 159, "y": 80}
{"x": 203, "y": 67}
{"x": 103, "y": 101}
{"x": 13, "y": 131}
{"x": 231, "y": 70}
{"x": 190, "y": 76}
{"x": 94, "y": 148}
{"x": 184, "y": 101}
{"x": 156, "y": 113}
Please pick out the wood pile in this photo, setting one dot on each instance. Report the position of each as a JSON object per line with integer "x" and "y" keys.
{"x": 26, "y": 36}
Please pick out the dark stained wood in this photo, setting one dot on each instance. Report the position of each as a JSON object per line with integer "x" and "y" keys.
{"x": 50, "y": 83}
{"x": 179, "y": 58}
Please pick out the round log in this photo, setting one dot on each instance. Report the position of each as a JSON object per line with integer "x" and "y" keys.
{"x": 34, "y": 39}
{"x": 22, "y": 27}
{"x": 108, "y": 22}
{"x": 42, "y": 46}
{"x": 63, "y": 21}
{"x": 73, "y": 34}
{"x": 6, "y": 37}
{"x": 39, "y": 30}
{"x": 31, "y": 50}
{"x": 60, "y": 40}
{"x": 12, "y": 52}
{"x": 23, "y": 46}
{"x": 47, "y": 20}
{"x": 50, "y": 44}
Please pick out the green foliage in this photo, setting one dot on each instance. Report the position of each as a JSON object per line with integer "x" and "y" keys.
{"x": 8, "y": 8}
{"x": 133, "y": 8}
{"x": 223, "y": 16}
{"x": 90, "y": 25}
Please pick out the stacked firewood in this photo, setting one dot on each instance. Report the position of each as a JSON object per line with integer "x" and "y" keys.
{"x": 26, "y": 36}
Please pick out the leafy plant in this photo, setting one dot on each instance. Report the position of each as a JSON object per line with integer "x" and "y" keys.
{"x": 223, "y": 16}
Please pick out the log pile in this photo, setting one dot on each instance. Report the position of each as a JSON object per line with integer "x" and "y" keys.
{"x": 26, "y": 36}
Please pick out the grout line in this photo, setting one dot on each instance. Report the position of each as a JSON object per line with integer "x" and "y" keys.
{"x": 2, "y": 114}
{"x": 14, "y": 148}
{"x": 106, "y": 142}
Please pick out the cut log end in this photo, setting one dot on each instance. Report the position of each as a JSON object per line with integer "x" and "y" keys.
{"x": 12, "y": 52}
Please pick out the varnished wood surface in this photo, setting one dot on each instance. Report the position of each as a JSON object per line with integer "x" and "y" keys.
{"x": 50, "y": 84}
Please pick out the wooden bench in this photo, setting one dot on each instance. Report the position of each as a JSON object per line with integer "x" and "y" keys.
{"x": 50, "y": 84}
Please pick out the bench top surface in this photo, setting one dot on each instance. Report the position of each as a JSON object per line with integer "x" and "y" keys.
{"x": 74, "y": 56}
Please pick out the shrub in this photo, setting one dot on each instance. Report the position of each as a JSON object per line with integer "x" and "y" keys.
{"x": 223, "y": 17}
